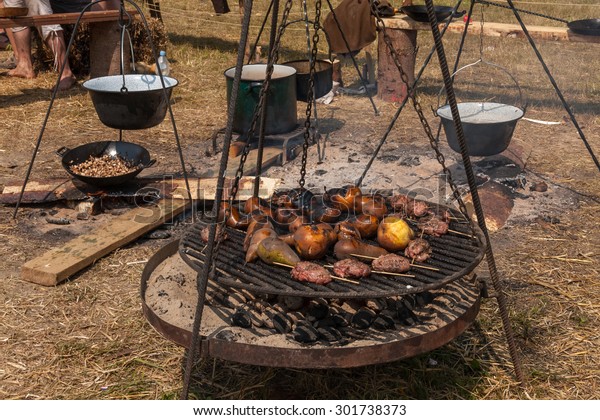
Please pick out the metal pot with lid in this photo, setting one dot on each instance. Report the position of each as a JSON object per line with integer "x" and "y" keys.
{"x": 282, "y": 113}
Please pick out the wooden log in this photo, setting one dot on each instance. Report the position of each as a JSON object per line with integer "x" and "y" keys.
{"x": 390, "y": 86}
{"x": 60, "y": 263}
{"x": 507, "y": 30}
{"x": 105, "y": 61}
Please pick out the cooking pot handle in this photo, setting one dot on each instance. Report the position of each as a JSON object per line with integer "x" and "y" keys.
{"x": 252, "y": 86}
{"x": 150, "y": 163}
{"x": 521, "y": 105}
{"x": 62, "y": 151}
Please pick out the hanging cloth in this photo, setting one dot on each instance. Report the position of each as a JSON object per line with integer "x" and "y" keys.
{"x": 356, "y": 23}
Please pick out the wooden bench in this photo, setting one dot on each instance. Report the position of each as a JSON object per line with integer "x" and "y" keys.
{"x": 105, "y": 32}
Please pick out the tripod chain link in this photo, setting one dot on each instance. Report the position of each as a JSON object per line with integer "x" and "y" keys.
{"x": 310, "y": 94}
{"x": 261, "y": 103}
{"x": 419, "y": 110}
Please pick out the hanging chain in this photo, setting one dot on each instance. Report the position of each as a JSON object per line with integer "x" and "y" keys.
{"x": 419, "y": 110}
{"x": 261, "y": 102}
{"x": 311, "y": 91}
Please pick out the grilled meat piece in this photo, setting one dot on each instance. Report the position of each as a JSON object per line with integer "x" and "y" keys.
{"x": 310, "y": 272}
{"x": 391, "y": 263}
{"x": 406, "y": 205}
{"x": 433, "y": 226}
{"x": 220, "y": 232}
{"x": 346, "y": 247}
{"x": 351, "y": 269}
{"x": 418, "y": 249}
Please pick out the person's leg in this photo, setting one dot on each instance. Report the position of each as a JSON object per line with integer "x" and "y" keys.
{"x": 56, "y": 42}
{"x": 22, "y": 46}
{"x": 107, "y": 5}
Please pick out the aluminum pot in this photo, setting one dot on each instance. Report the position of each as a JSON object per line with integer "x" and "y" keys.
{"x": 488, "y": 126}
{"x": 137, "y": 155}
{"x": 135, "y": 103}
{"x": 323, "y": 77}
{"x": 282, "y": 113}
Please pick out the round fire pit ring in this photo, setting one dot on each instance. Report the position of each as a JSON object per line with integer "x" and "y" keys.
{"x": 452, "y": 311}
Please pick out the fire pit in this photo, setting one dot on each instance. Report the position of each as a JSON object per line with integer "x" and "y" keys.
{"x": 431, "y": 320}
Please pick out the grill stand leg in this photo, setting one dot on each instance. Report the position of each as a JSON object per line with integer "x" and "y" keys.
{"x": 500, "y": 297}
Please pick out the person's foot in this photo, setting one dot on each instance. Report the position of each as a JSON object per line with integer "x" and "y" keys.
{"x": 22, "y": 73}
{"x": 66, "y": 83}
{"x": 8, "y": 64}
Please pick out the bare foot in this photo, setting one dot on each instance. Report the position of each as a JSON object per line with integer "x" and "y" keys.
{"x": 22, "y": 73}
{"x": 66, "y": 83}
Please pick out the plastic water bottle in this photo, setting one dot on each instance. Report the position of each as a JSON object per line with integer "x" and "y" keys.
{"x": 163, "y": 63}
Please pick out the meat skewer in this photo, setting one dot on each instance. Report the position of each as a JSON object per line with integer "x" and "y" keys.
{"x": 333, "y": 277}
{"x": 424, "y": 267}
{"x": 387, "y": 273}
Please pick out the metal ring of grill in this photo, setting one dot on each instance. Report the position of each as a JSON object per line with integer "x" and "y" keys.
{"x": 453, "y": 254}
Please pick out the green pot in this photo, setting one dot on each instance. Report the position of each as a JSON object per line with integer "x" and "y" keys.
{"x": 282, "y": 114}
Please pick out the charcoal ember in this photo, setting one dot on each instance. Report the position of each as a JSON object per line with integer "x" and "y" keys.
{"x": 296, "y": 317}
{"x": 376, "y": 305}
{"x": 384, "y": 322}
{"x": 241, "y": 318}
{"x": 305, "y": 333}
{"x": 349, "y": 332}
{"x": 282, "y": 323}
{"x": 317, "y": 309}
{"x": 324, "y": 323}
{"x": 363, "y": 318}
{"x": 257, "y": 318}
{"x": 234, "y": 299}
{"x": 225, "y": 335}
{"x": 339, "y": 316}
{"x": 291, "y": 303}
{"x": 158, "y": 234}
{"x": 405, "y": 315}
{"x": 424, "y": 298}
{"x": 329, "y": 334}
{"x": 341, "y": 320}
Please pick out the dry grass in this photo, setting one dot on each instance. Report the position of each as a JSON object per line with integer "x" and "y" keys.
{"x": 87, "y": 338}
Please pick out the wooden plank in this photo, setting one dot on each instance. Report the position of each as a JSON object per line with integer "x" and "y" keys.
{"x": 506, "y": 30}
{"x": 58, "y": 264}
{"x": 52, "y": 190}
{"x": 62, "y": 18}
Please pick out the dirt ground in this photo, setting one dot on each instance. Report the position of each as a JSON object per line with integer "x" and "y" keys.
{"x": 87, "y": 338}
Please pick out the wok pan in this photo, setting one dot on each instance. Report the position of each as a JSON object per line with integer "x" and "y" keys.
{"x": 419, "y": 13}
{"x": 585, "y": 27}
{"x": 131, "y": 152}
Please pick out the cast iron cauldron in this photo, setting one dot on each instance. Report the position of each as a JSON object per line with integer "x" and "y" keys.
{"x": 137, "y": 155}
{"x": 589, "y": 27}
{"x": 323, "y": 77}
{"x": 136, "y": 103}
{"x": 282, "y": 114}
{"x": 488, "y": 126}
